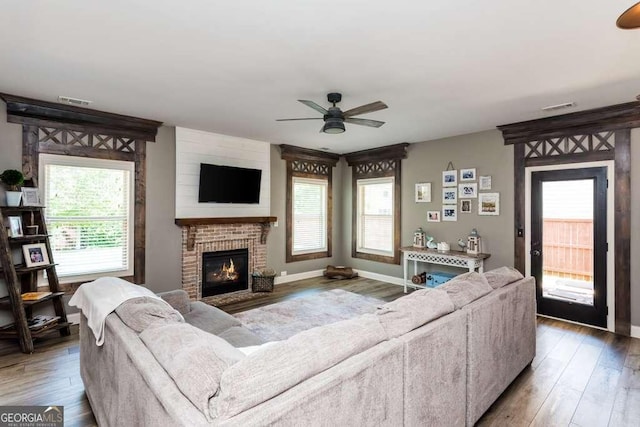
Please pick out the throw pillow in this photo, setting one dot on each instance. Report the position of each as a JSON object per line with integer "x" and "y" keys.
{"x": 143, "y": 312}
{"x": 466, "y": 288}
{"x": 502, "y": 276}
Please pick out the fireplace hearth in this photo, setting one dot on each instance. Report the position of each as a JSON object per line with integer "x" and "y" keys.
{"x": 225, "y": 271}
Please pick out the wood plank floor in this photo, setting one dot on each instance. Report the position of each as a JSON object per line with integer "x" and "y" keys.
{"x": 580, "y": 376}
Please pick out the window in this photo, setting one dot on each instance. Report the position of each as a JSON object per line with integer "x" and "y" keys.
{"x": 89, "y": 215}
{"x": 375, "y": 219}
{"x": 309, "y": 215}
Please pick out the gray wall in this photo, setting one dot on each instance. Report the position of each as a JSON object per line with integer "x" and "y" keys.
{"x": 276, "y": 242}
{"x": 164, "y": 238}
{"x": 425, "y": 162}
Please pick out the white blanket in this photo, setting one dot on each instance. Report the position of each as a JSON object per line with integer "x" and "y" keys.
{"x": 99, "y": 298}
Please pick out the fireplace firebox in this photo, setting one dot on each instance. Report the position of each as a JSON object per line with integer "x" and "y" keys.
{"x": 225, "y": 271}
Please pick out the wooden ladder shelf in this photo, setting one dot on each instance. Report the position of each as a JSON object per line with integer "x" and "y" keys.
{"x": 20, "y": 279}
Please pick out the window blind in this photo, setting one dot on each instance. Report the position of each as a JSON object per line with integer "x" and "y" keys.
{"x": 375, "y": 215}
{"x": 89, "y": 214}
{"x": 309, "y": 215}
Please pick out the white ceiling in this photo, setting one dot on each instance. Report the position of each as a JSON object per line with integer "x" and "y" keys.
{"x": 233, "y": 67}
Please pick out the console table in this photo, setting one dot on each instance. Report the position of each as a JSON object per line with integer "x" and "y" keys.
{"x": 431, "y": 256}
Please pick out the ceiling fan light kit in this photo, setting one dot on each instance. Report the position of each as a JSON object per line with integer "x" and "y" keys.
{"x": 334, "y": 117}
{"x": 630, "y": 19}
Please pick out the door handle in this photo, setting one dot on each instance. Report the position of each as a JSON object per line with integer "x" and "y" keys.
{"x": 535, "y": 252}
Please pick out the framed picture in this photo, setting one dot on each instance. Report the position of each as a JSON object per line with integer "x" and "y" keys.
{"x": 423, "y": 192}
{"x": 35, "y": 254}
{"x": 30, "y": 196}
{"x": 450, "y": 213}
{"x": 15, "y": 226}
{"x": 468, "y": 190}
{"x": 450, "y": 178}
{"x": 468, "y": 174}
{"x": 465, "y": 206}
{"x": 489, "y": 204}
{"x": 433, "y": 216}
{"x": 485, "y": 182}
{"x": 449, "y": 196}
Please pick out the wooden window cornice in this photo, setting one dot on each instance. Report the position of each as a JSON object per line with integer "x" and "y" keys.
{"x": 53, "y": 128}
{"x": 307, "y": 163}
{"x": 377, "y": 163}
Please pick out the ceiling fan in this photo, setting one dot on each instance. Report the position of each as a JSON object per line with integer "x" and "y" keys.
{"x": 334, "y": 117}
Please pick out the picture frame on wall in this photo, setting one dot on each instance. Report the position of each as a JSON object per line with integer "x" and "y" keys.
{"x": 489, "y": 204}
{"x": 485, "y": 182}
{"x": 468, "y": 190}
{"x": 450, "y": 178}
{"x": 423, "y": 192}
{"x": 450, "y": 213}
{"x": 465, "y": 206}
{"x": 15, "y": 226}
{"x": 468, "y": 174}
{"x": 449, "y": 196}
{"x": 433, "y": 216}
{"x": 30, "y": 196}
{"x": 35, "y": 254}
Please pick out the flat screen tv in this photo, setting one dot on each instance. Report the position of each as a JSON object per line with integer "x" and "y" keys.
{"x": 229, "y": 184}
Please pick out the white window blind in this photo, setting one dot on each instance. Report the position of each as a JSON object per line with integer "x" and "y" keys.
{"x": 375, "y": 216}
{"x": 89, "y": 215}
{"x": 309, "y": 211}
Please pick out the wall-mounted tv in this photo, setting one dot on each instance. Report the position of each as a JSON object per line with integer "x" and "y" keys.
{"x": 229, "y": 184}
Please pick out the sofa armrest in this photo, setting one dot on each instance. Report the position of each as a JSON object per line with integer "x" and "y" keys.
{"x": 177, "y": 299}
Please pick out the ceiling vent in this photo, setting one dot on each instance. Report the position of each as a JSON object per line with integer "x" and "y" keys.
{"x": 73, "y": 101}
{"x": 559, "y": 106}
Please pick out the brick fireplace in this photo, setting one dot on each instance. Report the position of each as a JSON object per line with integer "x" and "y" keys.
{"x": 206, "y": 235}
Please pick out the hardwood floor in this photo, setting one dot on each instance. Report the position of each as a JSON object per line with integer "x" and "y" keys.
{"x": 579, "y": 377}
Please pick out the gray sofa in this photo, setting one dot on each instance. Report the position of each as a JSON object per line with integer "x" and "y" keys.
{"x": 438, "y": 357}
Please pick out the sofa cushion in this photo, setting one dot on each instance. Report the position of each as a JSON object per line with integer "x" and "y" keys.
{"x": 466, "y": 288}
{"x": 414, "y": 310}
{"x": 194, "y": 359}
{"x": 502, "y": 276}
{"x": 280, "y": 366}
{"x": 239, "y": 336}
{"x": 143, "y": 312}
{"x": 177, "y": 299}
{"x": 210, "y": 319}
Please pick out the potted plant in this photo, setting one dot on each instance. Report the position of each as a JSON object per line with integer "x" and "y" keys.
{"x": 12, "y": 179}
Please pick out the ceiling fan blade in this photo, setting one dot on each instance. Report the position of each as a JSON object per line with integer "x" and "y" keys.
{"x": 368, "y": 108}
{"x": 309, "y": 118}
{"x": 364, "y": 122}
{"x": 314, "y": 106}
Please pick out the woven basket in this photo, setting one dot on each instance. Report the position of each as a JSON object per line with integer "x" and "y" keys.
{"x": 262, "y": 283}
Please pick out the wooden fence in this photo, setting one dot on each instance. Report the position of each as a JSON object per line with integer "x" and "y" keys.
{"x": 567, "y": 248}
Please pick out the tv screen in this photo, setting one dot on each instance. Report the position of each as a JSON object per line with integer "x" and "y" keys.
{"x": 228, "y": 184}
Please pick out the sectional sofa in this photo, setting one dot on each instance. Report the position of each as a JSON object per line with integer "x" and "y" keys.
{"x": 432, "y": 358}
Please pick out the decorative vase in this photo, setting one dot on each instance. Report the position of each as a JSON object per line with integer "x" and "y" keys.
{"x": 13, "y": 198}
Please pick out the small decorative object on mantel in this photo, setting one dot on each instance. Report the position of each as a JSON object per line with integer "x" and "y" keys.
{"x": 263, "y": 280}
{"x": 462, "y": 244}
{"x": 474, "y": 243}
{"x": 12, "y": 179}
{"x": 419, "y": 238}
{"x": 444, "y": 247}
{"x": 340, "y": 272}
{"x": 431, "y": 244}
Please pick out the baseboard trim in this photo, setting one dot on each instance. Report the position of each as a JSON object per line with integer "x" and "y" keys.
{"x": 297, "y": 276}
{"x": 381, "y": 277}
{"x": 635, "y": 331}
{"x": 73, "y": 318}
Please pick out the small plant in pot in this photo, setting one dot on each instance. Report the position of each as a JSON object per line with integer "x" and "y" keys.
{"x": 12, "y": 179}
